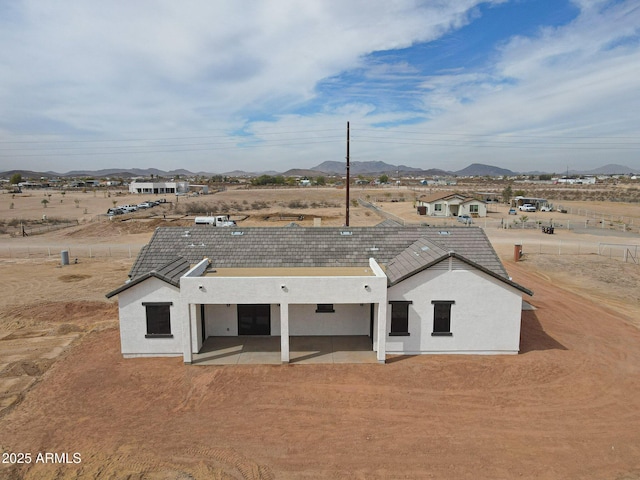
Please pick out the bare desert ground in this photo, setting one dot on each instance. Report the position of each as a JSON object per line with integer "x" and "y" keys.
{"x": 568, "y": 406}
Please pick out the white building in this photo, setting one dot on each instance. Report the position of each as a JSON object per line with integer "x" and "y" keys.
{"x": 451, "y": 204}
{"x": 412, "y": 290}
{"x": 158, "y": 188}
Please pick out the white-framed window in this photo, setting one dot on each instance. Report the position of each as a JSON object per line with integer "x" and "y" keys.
{"x": 437, "y": 207}
{"x": 473, "y": 208}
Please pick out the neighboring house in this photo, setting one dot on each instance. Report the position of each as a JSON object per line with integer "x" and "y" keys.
{"x": 412, "y": 290}
{"x": 158, "y": 188}
{"x": 451, "y": 204}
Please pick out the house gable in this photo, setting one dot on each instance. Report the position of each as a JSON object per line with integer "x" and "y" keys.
{"x": 484, "y": 312}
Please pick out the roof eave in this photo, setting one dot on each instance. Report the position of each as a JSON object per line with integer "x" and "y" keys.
{"x": 468, "y": 262}
{"x": 140, "y": 279}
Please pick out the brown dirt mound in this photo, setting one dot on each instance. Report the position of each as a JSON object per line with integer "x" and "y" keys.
{"x": 117, "y": 228}
{"x": 82, "y": 312}
{"x": 32, "y": 368}
{"x": 73, "y": 278}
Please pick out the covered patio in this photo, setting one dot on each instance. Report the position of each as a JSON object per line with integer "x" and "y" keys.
{"x": 252, "y": 350}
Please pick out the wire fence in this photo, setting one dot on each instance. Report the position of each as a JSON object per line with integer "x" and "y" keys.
{"x": 627, "y": 253}
{"x": 610, "y": 223}
{"x": 37, "y": 252}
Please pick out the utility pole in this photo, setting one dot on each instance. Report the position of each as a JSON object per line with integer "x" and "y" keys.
{"x": 347, "y": 211}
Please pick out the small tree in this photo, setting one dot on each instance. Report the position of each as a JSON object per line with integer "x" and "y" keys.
{"x": 44, "y": 202}
{"x": 77, "y": 202}
{"x": 383, "y": 178}
{"x": 507, "y": 193}
{"x": 16, "y": 178}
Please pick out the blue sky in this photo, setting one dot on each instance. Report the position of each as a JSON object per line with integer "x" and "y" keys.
{"x": 258, "y": 86}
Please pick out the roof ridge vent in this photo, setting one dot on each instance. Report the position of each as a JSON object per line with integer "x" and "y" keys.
{"x": 346, "y": 233}
{"x": 237, "y": 233}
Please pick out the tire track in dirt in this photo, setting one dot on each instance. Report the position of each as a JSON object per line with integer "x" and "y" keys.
{"x": 249, "y": 469}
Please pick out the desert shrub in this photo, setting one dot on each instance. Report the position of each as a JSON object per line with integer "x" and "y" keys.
{"x": 259, "y": 205}
{"x": 196, "y": 208}
{"x": 297, "y": 204}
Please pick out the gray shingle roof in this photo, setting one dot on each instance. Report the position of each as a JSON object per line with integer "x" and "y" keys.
{"x": 415, "y": 257}
{"x": 170, "y": 272}
{"x": 313, "y": 247}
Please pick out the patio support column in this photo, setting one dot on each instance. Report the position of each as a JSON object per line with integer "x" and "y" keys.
{"x": 381, "y": 354}
{"x": 284, "y": 332}
{"x": 186, "y": 333}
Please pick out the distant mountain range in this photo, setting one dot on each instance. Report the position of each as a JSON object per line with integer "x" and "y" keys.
{"x": 326, "y": 168}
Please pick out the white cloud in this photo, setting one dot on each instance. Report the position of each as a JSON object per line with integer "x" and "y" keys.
{"x": 159, "y": 69}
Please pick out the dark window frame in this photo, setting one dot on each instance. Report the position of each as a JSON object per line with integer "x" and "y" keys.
{"x": 442, "y": 318}
{"x": 399, "y": 328}
{"x": 158, "y": 319}
{"x": 325, "y": 308}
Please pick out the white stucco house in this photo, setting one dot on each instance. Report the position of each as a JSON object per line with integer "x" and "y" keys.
{"x": 159, "y": 188}
{"x": 451, "y": 204}
{"x": 411, "y": 290}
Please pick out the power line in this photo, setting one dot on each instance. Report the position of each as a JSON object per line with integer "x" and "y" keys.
{"x": 172, "y": 151}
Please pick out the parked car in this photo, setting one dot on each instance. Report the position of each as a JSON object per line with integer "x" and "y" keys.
{"x": 114, "y": 211}
{"x": 513, "y": 211}
{"x": 527, "y": 207}
{"x": 128, "y": 208}
{"x": 546, "y": 208}
{"x": 466, "y": 219}
{"x": 145, "y": 205}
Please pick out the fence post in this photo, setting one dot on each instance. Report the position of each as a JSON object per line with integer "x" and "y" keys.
{"x": 560, "y": 248}
{"x": 129, "y": 251}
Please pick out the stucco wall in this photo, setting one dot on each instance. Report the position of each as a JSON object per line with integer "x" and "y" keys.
{"x": 465, "y": 209}
{"x": 221, "y": 320}
{"x": 348, "y": 319}
{"x": 133, "y": 319}
{"x": 292, "y": 290}
{"x": 484, "y": 319}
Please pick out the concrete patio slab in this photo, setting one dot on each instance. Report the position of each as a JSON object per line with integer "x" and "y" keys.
{"x": 265, "y": 350}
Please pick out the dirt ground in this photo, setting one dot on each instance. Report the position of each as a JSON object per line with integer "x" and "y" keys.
{"x": 568, "y": 406}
